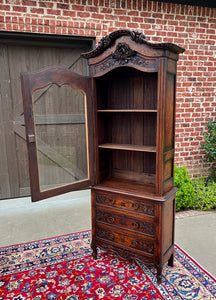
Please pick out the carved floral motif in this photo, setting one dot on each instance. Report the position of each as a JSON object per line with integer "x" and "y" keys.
{"x": 107, "y": 41}
{"x": 100, "y": 199}
{"x": 105, "y": 234}
{"x": 147, "y": 209}
{"x": 134, "y": 60}
{"x": 123, "y": 53}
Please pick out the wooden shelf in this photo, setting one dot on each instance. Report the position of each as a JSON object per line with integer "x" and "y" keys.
{"x": 128, "y": 186}
{"x": 126, "y": 110}
{"x": 128, "y": 147}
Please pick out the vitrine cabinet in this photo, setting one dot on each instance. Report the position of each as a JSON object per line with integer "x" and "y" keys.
{"x": 133, "y": 198}
{"x": 130, "y": 124}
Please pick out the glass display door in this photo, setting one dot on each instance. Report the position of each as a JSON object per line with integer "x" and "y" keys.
{"x": 58, "y": 130}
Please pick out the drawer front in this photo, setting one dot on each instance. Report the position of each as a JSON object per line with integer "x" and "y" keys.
{"x": 128, "y": 203}
{"x": 126, "y": 253}
{"x": 119, "y": 237}
{"x": 120, "y": 219}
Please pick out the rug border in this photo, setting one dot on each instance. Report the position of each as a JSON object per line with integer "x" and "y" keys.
{"x": 194, "y": 260}
{"x": 85, "y": 231}
{"x": 45, "y": 239}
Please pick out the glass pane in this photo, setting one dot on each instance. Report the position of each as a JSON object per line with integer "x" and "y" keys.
{"x": 60, "y": 125}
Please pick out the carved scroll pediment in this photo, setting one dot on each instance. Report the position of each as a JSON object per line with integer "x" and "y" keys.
{"x": 108, "y": 40}
{"x": 136, "y": 36}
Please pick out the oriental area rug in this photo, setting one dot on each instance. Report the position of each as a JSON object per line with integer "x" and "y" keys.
{"x": 63, "y": 268}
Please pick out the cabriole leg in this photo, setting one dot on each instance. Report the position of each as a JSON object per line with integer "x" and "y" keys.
{"x": 159, "y": 274}
{"x": 94, "y": 250}
{"x": 171, "y": 261}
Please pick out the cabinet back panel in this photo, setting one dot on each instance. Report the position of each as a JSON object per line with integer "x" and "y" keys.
{"x": 149, "y": 162}
{"x": 104, "y": 164}
{"x": 104, "y": 125}
{"x": 127, "y": 128}
{"x": 127, "y": 88}
{"x": 136, "y": 166}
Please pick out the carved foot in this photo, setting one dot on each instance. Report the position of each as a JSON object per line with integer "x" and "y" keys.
{"x": 159, "y": 275}
{"x": 94, "y": 254}
{"x": 94, "y": 251}
{"x": 171, "y": 261}
{"x": 159, "y": 279}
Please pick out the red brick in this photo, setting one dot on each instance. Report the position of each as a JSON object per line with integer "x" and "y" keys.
{"x": 83, "y": 14}
{"x": 97, "y": 16}
{"x": 46, "y": 4}
{"x": 62, "y": 6}
{"x": 39, "y": 11}
{"x": 133, "y": 13}
{"x": 93, "y": 9}
{"x": 53, "y": 12}
{"x": 121, "y": 24}
{"x": 78, "y": 7}
{"x": 137, "y": 19}
{"x": 29, "y": 2}
{"x": 19, "y": 9}
{"x": 69, "y": 13}
{"x": 120, "y": 12}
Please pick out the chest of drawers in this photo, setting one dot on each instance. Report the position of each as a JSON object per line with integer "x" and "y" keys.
{"x": 133, "y": 226}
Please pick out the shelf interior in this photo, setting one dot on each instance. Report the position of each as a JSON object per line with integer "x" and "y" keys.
{"x": 128, "y": 186}
{"x": 126, "y": 129}
{"x": 128, "y": 89}
{"x": 127, "y": 110}
{"x": 128, "y": 147}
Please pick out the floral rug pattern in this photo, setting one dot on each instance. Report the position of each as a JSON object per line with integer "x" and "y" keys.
{"x": 62, "y": 268}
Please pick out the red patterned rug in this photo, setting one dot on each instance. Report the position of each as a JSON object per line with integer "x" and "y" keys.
{"x": 62, "y": 268}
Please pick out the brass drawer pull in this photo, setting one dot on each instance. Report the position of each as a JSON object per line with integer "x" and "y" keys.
{"x": 110, "y": 219}
{"x": 111, "y": 201}
{"x": 135, "y": 206}
{"x": 135, "y": 225}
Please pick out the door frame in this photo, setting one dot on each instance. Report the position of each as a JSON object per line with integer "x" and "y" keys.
{"x": 8, "y": 39}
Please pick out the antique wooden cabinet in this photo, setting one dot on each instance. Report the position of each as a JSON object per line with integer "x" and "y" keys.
{"x": 133, "y": 198}
{"x": 130, "y": 105}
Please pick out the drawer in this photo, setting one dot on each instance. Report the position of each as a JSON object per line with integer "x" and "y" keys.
{"x": 128, "y": 203}
{"x": 120, "y": 237}
{"x": 126, "y": 253}
{"x": 121, "y": 219}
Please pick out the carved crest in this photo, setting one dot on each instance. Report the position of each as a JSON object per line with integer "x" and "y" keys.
{"x": 123, "y": 53}
{"x": 108, "y": 40}
{"x": 135, "y": 36}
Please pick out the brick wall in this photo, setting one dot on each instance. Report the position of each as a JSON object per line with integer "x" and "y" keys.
{"x": 191, "y": 27}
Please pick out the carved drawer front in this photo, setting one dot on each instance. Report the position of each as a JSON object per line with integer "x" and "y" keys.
{"x": 127, "y": 222}
{"x": 125, "y": 253}
{"x": 126, "y": 239}
{"x": 127, "y": 203}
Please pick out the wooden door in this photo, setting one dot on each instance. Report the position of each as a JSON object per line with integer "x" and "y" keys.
{"x": 26, "y": 55}
{"x": 60, "y": 154}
